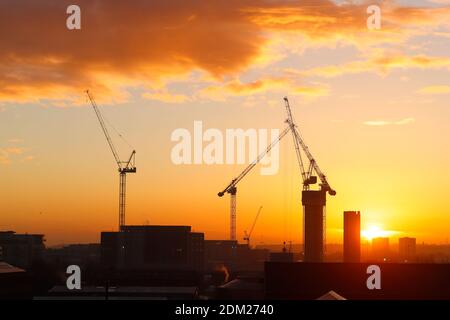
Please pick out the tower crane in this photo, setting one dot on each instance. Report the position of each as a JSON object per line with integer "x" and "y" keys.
{"x": 307, "y": 175}
{"x": 313, "y": 201}
{"x": 248, "y": 235}
{"x": 124, "y": 167}
{"x": 232, "y": 189}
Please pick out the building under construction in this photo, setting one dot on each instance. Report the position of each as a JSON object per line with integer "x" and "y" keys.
{"x": 314, "y": 224}
{"x": 313, "y": 201}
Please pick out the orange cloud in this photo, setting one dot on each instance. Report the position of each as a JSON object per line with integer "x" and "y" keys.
{"x": 380, "y": 63}
{"x": 166, "y": 97}
{"x": 136, "y": 43}
{"x": 312, "y": 91}
{"x": 238, "y": 88}
{"x": 40, "y": 57}
{"x": 382, "y": 123}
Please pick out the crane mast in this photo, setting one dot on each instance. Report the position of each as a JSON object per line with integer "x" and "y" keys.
{"x": 232, "y": 189}
{"x": 124, "y": 167}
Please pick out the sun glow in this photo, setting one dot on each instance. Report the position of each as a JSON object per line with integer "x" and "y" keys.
{"x": 375, "y": 231}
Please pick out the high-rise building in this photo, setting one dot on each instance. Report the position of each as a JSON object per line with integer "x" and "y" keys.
{"x": 380, "y": 248}
{"x": 352, "y": 236}
{"x": 153, "y": 247}
{"x": 407, "y": 249}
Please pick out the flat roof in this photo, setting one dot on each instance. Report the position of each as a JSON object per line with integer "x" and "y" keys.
{"x": 152, "y": 228}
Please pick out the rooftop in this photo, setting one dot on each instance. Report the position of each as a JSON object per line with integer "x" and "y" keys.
{"x": 7, "y": 268}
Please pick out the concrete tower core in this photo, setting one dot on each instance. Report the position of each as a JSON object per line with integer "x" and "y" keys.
{"x": 313, "y": 225}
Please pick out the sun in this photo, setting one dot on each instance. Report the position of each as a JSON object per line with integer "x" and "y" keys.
{"x": 374, "y": 232}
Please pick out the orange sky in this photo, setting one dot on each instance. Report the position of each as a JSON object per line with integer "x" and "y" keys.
{"x": 372, "y": 106}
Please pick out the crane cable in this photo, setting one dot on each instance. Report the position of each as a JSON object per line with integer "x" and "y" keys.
{"x": 114, "y": 128}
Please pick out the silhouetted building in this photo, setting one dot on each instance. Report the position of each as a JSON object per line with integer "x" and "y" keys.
{"x": 78, "y": 254}
{"x": 292, "y": 281}
{"x": 313, "y": 222}
{"x": 380, "y": 249}
{"x": 121, "y": 293}
{"x": 153, "y": 247}
{"x": 407, "y": 249}
{"x": 21, "y": 250}
{"x": 15, "y": 283}
{"x": 251, "y": 259}
{"x": 196, "y": 257}
{"x": 283, "y": 256}
{"x": 221, "y": 253}
{"x": 352, "y": 236}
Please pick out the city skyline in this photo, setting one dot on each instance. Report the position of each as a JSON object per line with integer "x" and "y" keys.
{"x": 371, "y": 104}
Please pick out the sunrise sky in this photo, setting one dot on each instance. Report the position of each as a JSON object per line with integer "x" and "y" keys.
{"x": 373, "y": 106}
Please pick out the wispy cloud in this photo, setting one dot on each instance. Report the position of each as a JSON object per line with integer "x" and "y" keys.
{"x": 6, "y": 153}
{"x": 440, "y": 1}
{"x": 12, "y": 152}
{"x": 15, "y": 140}
{"x": 166, "y": 97}
{"x": 442, "y": 89}
{"x": 27, "y": 158}
{"x": 261, "y": 86}
{"x": 382, "y": 63}
{"x": 381, "y": 123}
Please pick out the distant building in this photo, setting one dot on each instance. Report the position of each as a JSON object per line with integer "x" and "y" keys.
{"x": 153, "y": 247}
{"x": 283, "y": 256}
{"x": 251, "y": 259}
{"x": 221, "y": 253}
{"x": 79, "y": 254}
{"x": 232, "y": 256}
{"x": 380, "y": 249}
{"x": 407, "y": 249}
{"x": 21, "y": 250}
{"x": 352, "y": 236}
